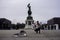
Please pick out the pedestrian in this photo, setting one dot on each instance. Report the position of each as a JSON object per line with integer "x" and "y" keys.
{"x": 37, "y": 27}
{"x": 34, "y": 27}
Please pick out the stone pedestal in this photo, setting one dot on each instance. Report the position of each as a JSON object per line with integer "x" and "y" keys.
{"x": 29, "y": 22}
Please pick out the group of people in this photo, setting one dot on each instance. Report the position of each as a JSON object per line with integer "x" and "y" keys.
{"x": 36, "y": 27}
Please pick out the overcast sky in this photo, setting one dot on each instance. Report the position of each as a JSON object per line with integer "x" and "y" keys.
{"x": 42, "y": 10}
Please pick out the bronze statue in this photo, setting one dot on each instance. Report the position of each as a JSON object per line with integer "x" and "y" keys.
{"x": 29, "y": 9}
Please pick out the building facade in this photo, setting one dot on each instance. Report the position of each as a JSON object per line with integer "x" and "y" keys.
{"x": 54, "y": 23}
{"x": 5, "y": 23}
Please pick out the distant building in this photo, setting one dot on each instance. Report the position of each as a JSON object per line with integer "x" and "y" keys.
{"x": 5, "y": 23}
{"x": 54, "y": 23}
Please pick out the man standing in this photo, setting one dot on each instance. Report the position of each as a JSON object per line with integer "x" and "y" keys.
{"x": 37, "y": 27}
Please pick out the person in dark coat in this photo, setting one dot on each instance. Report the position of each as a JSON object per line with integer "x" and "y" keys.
{"x": 37, "y": 30}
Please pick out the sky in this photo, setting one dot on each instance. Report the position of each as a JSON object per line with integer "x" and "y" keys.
{"x": 42, "y": 10}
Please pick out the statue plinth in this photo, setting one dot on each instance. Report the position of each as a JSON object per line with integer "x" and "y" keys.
{"x": 29, "y": 24}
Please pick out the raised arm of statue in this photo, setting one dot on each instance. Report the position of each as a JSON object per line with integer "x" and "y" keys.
{"x": 29, "y": 6}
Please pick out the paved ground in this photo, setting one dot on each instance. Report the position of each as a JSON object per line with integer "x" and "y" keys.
{"x": 45, "y": 35}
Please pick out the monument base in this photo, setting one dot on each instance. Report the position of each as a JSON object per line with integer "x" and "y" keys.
{"x": 28, "y": 27}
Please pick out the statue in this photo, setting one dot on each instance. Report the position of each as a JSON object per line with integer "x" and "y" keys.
{"x": 29, "y": 19}
{"x": 29, "y": 9}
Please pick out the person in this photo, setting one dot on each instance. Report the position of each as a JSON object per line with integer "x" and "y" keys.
{"x": 33, "y": 26}
{"x": 37, "y": 27}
